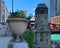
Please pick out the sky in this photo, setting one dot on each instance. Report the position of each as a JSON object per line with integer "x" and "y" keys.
{"x": 28, "y": 5}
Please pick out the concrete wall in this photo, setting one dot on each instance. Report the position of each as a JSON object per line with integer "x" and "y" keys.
{"x": 4, "y": 41}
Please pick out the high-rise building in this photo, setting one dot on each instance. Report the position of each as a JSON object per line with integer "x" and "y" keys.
{"x": 42, "y": 34}
{"x": 3, "y": 11}
{"x": 57, "y": 7}
{"x": 54, "y": 8}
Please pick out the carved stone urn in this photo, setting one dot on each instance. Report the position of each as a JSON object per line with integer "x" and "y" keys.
{"x": 17, "y": 27}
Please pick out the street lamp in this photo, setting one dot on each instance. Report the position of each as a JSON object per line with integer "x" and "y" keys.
{"x": 12, "y": 6}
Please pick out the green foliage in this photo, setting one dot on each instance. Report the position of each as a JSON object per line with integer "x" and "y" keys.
{"x": 18, "y": 14}
{"x": 29, "y": 17}
{"x": 29, "y": 37}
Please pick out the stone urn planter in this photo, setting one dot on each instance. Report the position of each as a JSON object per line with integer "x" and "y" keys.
{"x": 17, "y": 23}
{"x": 17, "y": 26}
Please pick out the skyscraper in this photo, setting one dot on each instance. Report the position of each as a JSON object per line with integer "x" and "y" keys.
{"x": 54, "y": 8}
{"x": 57, "y": 7}
{"x": 51, "y": 8}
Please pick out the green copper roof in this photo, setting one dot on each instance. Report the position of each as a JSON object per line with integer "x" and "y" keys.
{"x": 55, "y": 37}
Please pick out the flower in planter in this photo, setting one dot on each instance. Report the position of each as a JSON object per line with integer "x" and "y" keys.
{"x": 18, "y": 14}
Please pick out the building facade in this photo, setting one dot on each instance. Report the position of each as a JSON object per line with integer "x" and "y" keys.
{"x": 3, "y": 11}
{"x": 55, "y": 23}
{"x": 57, "y": 7}
{"x": 51, "y": 8}
{"x": 42, "y": 34}
{"x": 54, "y": 8}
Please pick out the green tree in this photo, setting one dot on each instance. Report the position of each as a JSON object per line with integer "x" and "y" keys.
{"x": 29, "y": 37}
{"x": 29, "y": 17}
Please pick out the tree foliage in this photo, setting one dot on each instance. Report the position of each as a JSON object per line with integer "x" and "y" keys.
{"x": 29, "y": 17}
{"x": 29, "y": 37}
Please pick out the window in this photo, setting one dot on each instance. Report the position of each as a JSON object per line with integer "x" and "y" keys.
{"x": 38, "y": 47}
{"x": 41, "y": 21}
{"x": 36, "y": 25}
{"x": 41, "y": 40}
{"x": 42, "y": 25}
{"x": 3, "y": 17}
{"x": 47, "y": 40}
{"x": 47, "y": 34}
{"x": 45, "y": 17}
{"x": 43, "y": 12}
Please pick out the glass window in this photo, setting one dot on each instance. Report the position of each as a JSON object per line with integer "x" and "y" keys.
{"x": 41, "y": 40}
{"x": 45, "y": 17}
{"x": 41, "y": 21}
{"x": 3, "y": 17}
{"x": 47, "y": 40}
{"x": 47, "y": 34}
{"x": 38, "y": 47}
